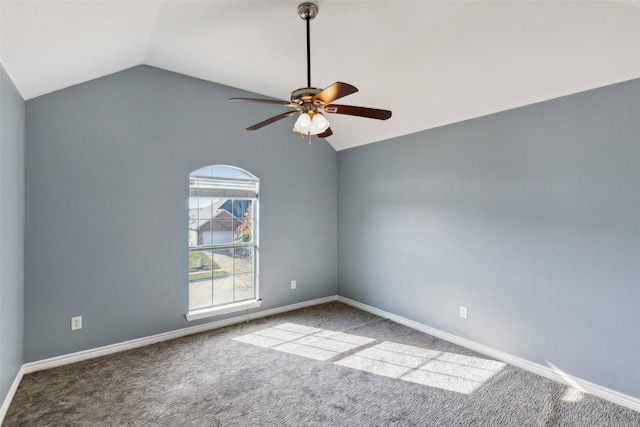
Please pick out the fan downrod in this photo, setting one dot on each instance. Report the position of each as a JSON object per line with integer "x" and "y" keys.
{"x": 307, "y": 11}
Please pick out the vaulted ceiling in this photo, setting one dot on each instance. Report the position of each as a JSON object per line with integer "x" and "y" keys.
{"x": 431, "y": 62}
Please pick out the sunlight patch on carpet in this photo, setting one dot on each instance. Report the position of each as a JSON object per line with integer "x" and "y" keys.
{"x": 443, "y": 370}
{"x": 448, "y": 371}
{"x": 314, "y": 343}
{"x": 572, "y": 395}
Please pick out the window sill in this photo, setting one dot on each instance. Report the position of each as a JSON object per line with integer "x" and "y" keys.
{"x": 217, "y": 311}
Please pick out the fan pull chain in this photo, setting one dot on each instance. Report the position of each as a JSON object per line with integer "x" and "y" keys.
{"x": 302, "y": 138}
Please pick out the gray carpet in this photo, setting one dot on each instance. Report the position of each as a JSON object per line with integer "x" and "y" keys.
{"x": 328, "y": 365}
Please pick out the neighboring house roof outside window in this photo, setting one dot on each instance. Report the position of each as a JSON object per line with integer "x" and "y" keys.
{"x": 222, "y": 221}
{"x": 205, "y": 212}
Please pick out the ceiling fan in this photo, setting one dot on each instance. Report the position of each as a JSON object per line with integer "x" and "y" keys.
{"x": 311, "y": 102}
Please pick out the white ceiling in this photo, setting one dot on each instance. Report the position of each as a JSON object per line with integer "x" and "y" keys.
{"x": 431, "y": 62}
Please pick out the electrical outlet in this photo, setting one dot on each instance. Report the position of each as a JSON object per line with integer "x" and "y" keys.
{"x": 463, "y": 311}
{"x": 293, "y": 284}
{"x": 76, "y": 323}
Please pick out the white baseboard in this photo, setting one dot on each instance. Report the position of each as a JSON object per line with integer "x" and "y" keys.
{"x": 550, "y": 372}
{"x": 141, "y": 342}
{"x": 9, "y": 397}
{"x": 66, "y": 359}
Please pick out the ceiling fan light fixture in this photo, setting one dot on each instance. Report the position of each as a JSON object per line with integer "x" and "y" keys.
{"x": 303, "y": 124}
{"x": 311, "y": 125}
{"x": 319, "y": 124}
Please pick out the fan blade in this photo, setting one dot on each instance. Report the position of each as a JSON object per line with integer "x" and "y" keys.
{"x": 350, "y": 110}
{"x": 333, "y": 92}
{"x": 271, "y": 120}
{"x": 325, "y": 134}
{"x": 266, "y": 101}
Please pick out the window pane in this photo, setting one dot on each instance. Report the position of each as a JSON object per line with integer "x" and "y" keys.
{"x": 204, "y": 232}
{"x": 243, "y": 258}
{"x": 244, "y": 228}
{"x": 206, "y": 207}
{"x": 244, "y": 288}
{"x": 200, "y": 279}
{"x": 193, "y": 233}
{"x": 223, "y": 172}
{"x": 222, "y": 230}
{"x": 199, "y": 262}
{"x": 223, "y": 276}
{"x": 244, "y": 274}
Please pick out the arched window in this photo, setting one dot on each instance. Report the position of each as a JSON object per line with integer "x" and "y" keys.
{"x": 223, "y": 241}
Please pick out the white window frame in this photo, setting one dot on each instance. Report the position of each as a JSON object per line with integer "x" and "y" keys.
{"x": 230, "y": 188}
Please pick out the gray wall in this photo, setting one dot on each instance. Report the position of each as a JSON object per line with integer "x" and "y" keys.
{"x": 529, "y": 217}
{"x": 107, "y": 166}
{"x": 12, "y": 123}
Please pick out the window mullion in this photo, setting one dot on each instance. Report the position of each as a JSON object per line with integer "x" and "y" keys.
{"x": 229, "y": 246}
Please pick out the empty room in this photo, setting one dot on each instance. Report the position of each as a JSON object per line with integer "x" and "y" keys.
{"x": 259, "y": 213}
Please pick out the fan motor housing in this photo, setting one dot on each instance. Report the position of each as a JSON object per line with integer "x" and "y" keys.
{"x": 304, "y": 94}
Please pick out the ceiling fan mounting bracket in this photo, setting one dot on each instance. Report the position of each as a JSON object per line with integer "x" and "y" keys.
{"x": 307, "y": 10}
